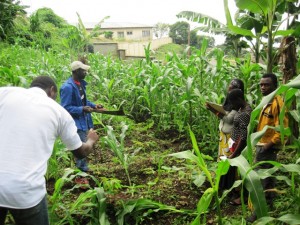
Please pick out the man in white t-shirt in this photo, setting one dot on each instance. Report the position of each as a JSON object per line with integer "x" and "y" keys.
{"x": 31, "y": 121}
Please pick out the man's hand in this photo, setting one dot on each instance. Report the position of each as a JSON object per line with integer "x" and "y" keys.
{"x": 268, "y": 146}
{"x": 86, "y": 147}
{"x": 87, "y": 109}
{"x": 92, "y": 135}
{"x": 100, "y": 108}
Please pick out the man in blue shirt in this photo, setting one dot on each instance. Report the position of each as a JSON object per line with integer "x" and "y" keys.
{"x": 74, "y": 100}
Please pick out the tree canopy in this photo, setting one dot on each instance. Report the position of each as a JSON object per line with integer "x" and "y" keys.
{"x": 161, "y": 29}
{"x": 9, "y": 10}
{"x": 179, "y": 32}
{"x": 46, "y": 15}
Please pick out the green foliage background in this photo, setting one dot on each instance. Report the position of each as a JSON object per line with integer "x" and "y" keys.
{"x": 166, "y": 95}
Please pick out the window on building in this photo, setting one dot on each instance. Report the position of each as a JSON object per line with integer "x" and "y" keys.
{"x": 146, "y": 33}
{"x": 129, "y": 32}
{"x": 120, "y": 34}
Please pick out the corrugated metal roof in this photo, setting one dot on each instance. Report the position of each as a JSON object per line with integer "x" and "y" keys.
{"x": 107, "y": 25}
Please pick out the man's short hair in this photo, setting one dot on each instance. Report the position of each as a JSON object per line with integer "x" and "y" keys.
{"x": 272, "y": 77}
{"x": 43, "y": 82}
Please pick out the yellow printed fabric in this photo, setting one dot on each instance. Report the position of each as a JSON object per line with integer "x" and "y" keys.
{"x": 270, "y": 116}
{"x": 223, "y": 144}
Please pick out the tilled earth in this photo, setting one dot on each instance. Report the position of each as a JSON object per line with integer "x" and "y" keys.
{"x": 155, "y": 176}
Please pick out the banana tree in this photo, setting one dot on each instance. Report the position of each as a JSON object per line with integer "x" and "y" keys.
{"x": 266, "y": 17}
{"x": 255, "y": 20}
{"x": 214, "y": 26}
{"x": 87, "y": 36}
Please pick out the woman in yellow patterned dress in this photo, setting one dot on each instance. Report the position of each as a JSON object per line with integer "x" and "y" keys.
{"x": 226, "y": 120}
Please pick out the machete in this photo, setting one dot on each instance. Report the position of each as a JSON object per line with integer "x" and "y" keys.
{"x": 119, "y": 112}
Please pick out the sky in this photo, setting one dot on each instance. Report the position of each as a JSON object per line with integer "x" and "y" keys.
{"x": 148, "y": 12}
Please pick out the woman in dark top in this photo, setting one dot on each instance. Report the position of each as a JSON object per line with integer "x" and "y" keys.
{"x": 226, "y": 120}
{"x": 240, "y": 122}
{"x": 238, "y": 140}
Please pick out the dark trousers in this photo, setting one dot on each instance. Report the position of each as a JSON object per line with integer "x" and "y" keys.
{"x": 37, "y": 215}
{"x": 227, "y": 180}
{"x": 269, "y": 182}
{"x": 82, "y": 164}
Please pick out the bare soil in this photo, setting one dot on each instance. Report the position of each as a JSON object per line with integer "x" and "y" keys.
{"x": 155, "y": 176}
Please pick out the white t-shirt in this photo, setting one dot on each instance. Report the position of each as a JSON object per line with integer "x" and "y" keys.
{"x": 30, "y": 122}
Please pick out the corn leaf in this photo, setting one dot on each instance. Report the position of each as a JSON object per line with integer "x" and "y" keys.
{"x": 252, "y": 183}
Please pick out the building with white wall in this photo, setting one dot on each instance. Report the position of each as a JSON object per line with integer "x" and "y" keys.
{"x": 124, "y": 31}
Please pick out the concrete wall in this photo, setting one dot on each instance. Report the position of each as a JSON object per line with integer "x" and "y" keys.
{"x": 106, "y": 48}
{"x": 137, "y": 34}
{"x": 156, "y": 43}
{"x": 130, "y": 49}
{"x": 137, "y": 48}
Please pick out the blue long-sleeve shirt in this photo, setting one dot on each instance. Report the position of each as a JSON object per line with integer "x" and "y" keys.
{"x": 71, "y": 101}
